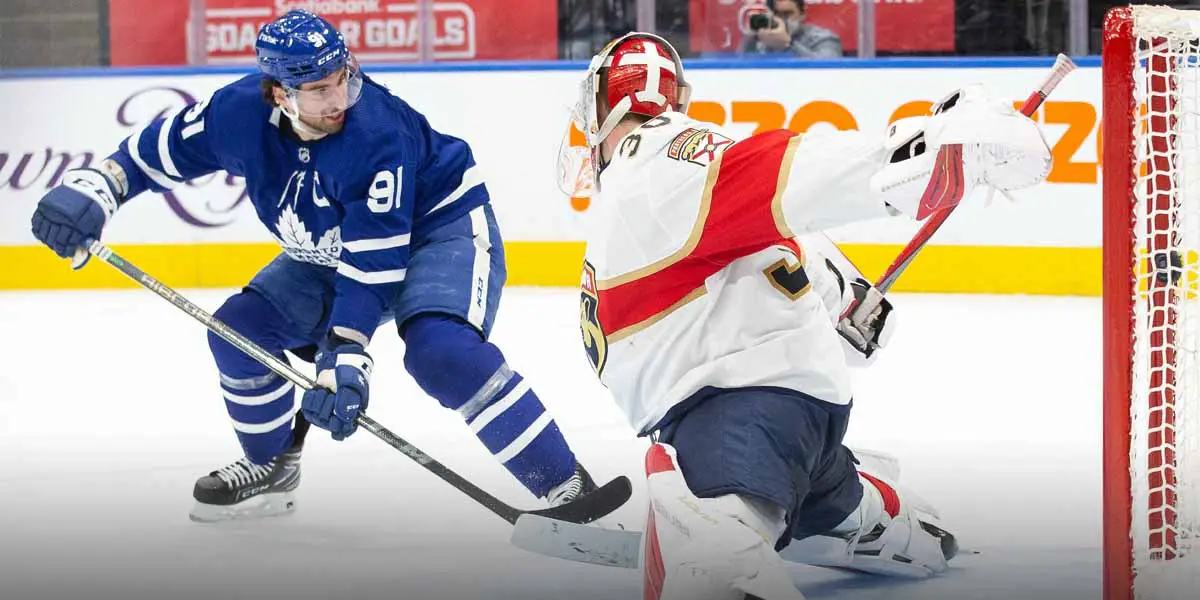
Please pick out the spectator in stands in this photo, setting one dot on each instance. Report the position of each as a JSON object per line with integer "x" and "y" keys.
{"x": 783, "y": 31}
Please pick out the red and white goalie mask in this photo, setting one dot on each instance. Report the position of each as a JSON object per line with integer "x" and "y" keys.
{"x": 638, "y": 73}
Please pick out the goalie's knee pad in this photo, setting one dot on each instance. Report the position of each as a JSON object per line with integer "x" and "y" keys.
{"x": 719, "y": 548}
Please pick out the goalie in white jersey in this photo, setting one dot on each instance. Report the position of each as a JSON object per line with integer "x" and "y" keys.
{"x": 714, "y": 323}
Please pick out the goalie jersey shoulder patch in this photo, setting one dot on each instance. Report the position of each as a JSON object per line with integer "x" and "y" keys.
{"x": 697, "y": 146}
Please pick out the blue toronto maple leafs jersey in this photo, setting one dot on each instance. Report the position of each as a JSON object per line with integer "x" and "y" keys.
{"x": 351, "y": 201}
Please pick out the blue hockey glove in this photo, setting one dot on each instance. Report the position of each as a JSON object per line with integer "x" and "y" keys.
{"x": 75, "y": 210}
{"x": 342, "y": 391}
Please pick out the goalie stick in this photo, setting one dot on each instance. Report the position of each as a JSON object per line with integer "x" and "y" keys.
{"x": 942, "y": 195}
{"x": 586, "y": 509}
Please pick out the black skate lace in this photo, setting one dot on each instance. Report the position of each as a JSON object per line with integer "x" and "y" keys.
{"x": 243, "y": 472}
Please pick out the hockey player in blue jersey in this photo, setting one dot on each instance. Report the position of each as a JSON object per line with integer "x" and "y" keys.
{"x": 381, "y": 218}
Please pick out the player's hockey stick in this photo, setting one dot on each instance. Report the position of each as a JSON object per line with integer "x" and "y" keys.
{"x": 586, "y": 509}
{"x": 944, "y": 192}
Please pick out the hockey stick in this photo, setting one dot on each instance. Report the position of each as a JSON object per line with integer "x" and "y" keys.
{"x": 586, "y": 509}
{"x": 944, "y": 192}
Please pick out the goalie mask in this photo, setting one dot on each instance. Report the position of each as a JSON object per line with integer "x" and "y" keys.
{"x": 639, "y": 74}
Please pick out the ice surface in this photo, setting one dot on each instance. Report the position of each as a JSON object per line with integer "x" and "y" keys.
{"x": 109, "y": 411}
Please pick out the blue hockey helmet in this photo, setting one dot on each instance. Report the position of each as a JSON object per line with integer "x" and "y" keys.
{"x": 300, "y": 47}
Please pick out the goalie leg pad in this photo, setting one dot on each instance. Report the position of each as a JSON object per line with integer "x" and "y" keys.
{"x": 718, "y": 548}
{"x": 892, "y": 532}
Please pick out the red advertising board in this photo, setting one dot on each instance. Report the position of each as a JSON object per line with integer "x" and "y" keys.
{"x": 900, "y": 25}
{"x": 376, "y": 30}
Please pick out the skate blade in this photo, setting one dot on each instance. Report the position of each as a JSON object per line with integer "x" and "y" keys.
{"x": 261, "y": 506}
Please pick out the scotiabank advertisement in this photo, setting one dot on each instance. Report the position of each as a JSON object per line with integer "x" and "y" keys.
{"x": 154, "y": 32}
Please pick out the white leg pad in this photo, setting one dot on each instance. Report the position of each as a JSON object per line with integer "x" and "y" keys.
{"x": 876, "y": 462}
{"x": 902, "y": 549}
{"x": 709, "y": 548}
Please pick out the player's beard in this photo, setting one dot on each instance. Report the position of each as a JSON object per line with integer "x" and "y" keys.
{"x": 328, "y": 124}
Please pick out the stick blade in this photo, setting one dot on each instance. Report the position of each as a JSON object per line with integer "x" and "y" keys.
{"x": 589, "y": 507}
{"x": 578, "y": 543}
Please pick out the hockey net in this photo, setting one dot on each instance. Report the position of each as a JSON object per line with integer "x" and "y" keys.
{"x": 1152, "y": 308}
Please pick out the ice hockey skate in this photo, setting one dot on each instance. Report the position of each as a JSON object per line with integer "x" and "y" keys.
{"x": 893, "y": 532}
{"x": 580, "y": 483}
{"x": 244, "y": 490}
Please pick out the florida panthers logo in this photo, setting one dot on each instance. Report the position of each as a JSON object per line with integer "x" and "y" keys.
{"x": 697, "y": 146}
{"x": 594, "y": 342}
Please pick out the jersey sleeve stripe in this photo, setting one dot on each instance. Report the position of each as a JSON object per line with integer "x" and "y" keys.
{"x": 785, "y": 170}
{"x": 370, "y": 277}
{"x": 683, "y": 252}
{"x": 135, "y": 152}
{"x": 372, "y": 244}
{"x": 621, "y": 334}
{"x": 164, "y": 146}
{"x": 471, "y": 178}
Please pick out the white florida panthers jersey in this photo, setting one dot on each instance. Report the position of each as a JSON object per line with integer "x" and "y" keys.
{"x": 701, "y": 270}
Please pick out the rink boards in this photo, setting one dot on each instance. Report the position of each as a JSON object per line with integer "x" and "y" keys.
{"x": 205, "y": 234}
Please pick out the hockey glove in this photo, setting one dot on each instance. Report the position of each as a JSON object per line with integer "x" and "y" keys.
{"x": 74, "y": 211}
{"x": 865, "y": 329}
{"x": 342, "y": 392}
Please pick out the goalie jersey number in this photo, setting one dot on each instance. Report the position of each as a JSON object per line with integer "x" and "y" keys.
{"x": 594, "y": 341}
{"x": 788, "y": 276}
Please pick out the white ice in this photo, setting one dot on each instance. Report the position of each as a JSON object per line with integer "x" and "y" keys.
{"x": 109, "y": 411}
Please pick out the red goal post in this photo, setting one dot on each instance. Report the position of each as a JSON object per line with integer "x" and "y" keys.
{"x": 1151, "y": 174}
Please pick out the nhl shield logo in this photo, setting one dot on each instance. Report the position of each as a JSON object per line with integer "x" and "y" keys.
{"x": 304, "y": 156}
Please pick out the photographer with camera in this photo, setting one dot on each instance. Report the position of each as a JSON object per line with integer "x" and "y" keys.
{"x": 783, "y": 30}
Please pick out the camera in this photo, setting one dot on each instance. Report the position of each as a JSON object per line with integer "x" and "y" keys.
{"x": 760, "y": 21}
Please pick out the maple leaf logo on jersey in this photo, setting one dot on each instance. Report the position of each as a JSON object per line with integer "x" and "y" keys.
{"x": 296, "y": 240}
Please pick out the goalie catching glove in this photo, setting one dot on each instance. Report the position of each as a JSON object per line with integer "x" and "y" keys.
{"x": 1002, "y": 148}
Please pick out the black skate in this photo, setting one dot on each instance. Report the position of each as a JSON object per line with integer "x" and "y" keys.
{"x": 243, "y": 489}
{"x": 575, "y": 486}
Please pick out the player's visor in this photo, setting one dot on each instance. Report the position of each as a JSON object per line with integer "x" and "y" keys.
{"x": 330, "y": 96}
